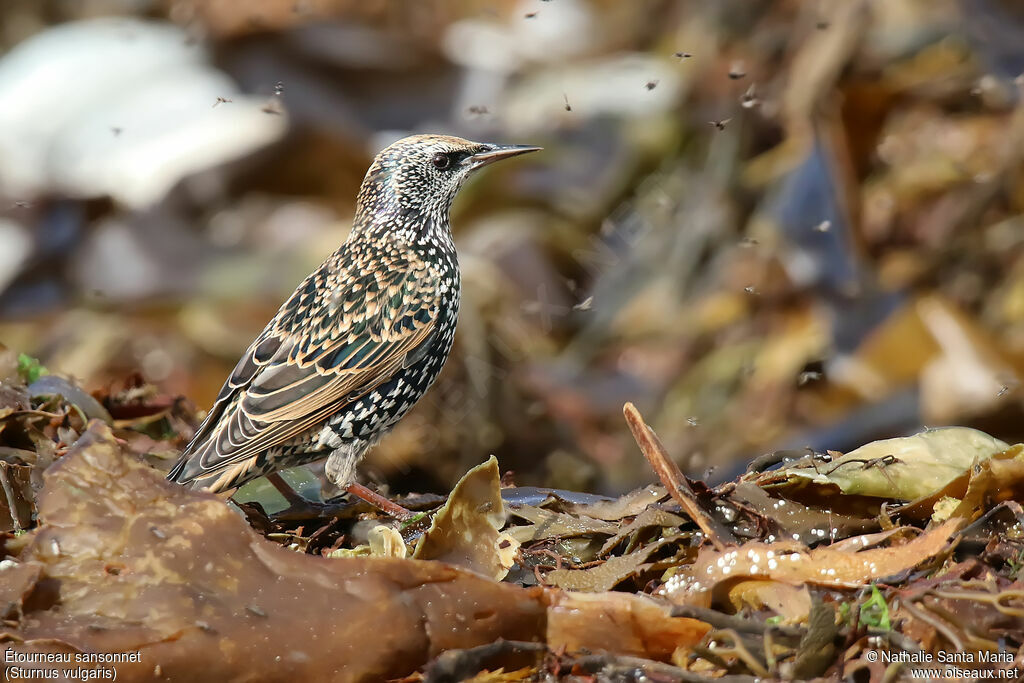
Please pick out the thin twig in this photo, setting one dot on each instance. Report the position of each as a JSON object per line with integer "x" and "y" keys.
{"x": 738, "y": 649}
{"x": 671, "y": 476}
{"x": 739, "y": 624}
{"x": 12, "y": 502}
{"x": 922, "y": 613}
{"x": 459, "y": 665}
{"x": 625, "y": 667}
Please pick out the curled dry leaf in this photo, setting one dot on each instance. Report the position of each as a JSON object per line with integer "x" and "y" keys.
{"x": 55, "y": 385}
{"x": 991, "y": 482}
{"x": 792, "y": 519}
{"x": 386, "y": 541}
{"x": 904, "y": 468}
{"x": 465, "y": 531}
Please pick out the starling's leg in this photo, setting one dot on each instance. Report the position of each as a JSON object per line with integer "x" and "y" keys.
{"x": 340, "y": 469}
{"x": 298, "y": 507}
{"x": 380, "y": 502}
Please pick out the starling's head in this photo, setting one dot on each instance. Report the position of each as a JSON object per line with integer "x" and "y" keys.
{"x": 412, "y": 183}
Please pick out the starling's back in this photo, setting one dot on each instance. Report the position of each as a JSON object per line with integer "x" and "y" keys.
{"x": 360, "y": 340}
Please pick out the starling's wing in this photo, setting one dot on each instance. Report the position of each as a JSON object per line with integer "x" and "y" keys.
{"x": 315, "y": 357}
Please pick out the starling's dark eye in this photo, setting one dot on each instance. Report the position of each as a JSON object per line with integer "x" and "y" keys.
{"x": 441, "y": 161}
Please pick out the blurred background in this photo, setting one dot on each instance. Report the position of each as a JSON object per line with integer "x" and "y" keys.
{"x": 770, "y": 224}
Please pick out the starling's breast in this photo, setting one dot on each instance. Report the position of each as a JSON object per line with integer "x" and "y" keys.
{"x": 370, "y": 415}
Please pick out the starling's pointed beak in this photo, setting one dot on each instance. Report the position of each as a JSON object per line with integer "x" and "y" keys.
{"x": 492, "y": 153}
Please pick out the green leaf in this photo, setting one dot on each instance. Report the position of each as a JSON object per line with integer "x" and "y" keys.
{"x": 844, "y": 611}
{"x": 408, "y": 523}
{"x": 1015, "y": 565}
{"x": 875, "y": 612}
{"x": 30, "y": 368}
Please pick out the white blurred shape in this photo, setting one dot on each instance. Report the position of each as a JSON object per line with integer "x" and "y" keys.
{"x": 558, "y": 31}
{"x": 481, "y": 44}
{"x": 118, "y": 107}
{"x": 48, "y": 80}
{"x": 967, "y": 378}
{"x": 15, "y": 247}
{"x": 561, "y": 29}
{"x": 611, "y": 86}
{"x": 168, "y": 129}
{"x": 114, "y": 263}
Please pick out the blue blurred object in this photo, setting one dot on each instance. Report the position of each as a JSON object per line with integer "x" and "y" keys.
{"x": 810, "y": 212}
{"x": 995, "y": 30}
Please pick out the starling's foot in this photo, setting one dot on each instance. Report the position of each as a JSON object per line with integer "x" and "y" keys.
{"x": 300, "y": 508}
{"x": 380, "y": 502}
{"x": 307, "y": 509}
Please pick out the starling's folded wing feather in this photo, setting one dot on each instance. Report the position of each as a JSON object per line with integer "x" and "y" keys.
{"x": 316, "y": 356}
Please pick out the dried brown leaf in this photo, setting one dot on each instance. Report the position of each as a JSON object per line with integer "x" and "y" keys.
{"x": 465, "y": 531}
{"x": 792, "y": 602}
{"x": 604, "y": 576}
{"x": 797, "y": 565}
{"x": 549, "y": 524}
{"x": 143, "y": 564}
{"x": 651, "y": 517}
{"x": 131, "y": 562}
{"x": 632, "y": 503}
{"x": 903, "y": 468}
{"x": 619, "y": 622}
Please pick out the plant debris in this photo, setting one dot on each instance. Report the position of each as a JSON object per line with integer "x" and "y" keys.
{"x": 797, "y": 238}
{"x": 104, "y": 555}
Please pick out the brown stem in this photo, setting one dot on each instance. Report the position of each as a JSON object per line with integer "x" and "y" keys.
{"x": 670, "y": 475}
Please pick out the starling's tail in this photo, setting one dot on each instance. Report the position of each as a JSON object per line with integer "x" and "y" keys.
{"x": 179, "y": 467}
{"x": 189, "y": 471}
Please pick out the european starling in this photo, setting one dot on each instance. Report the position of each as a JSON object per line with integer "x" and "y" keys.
{"x": 360, "y": 340}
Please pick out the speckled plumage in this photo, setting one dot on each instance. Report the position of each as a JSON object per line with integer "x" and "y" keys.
{"x": 360, "y": 340}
